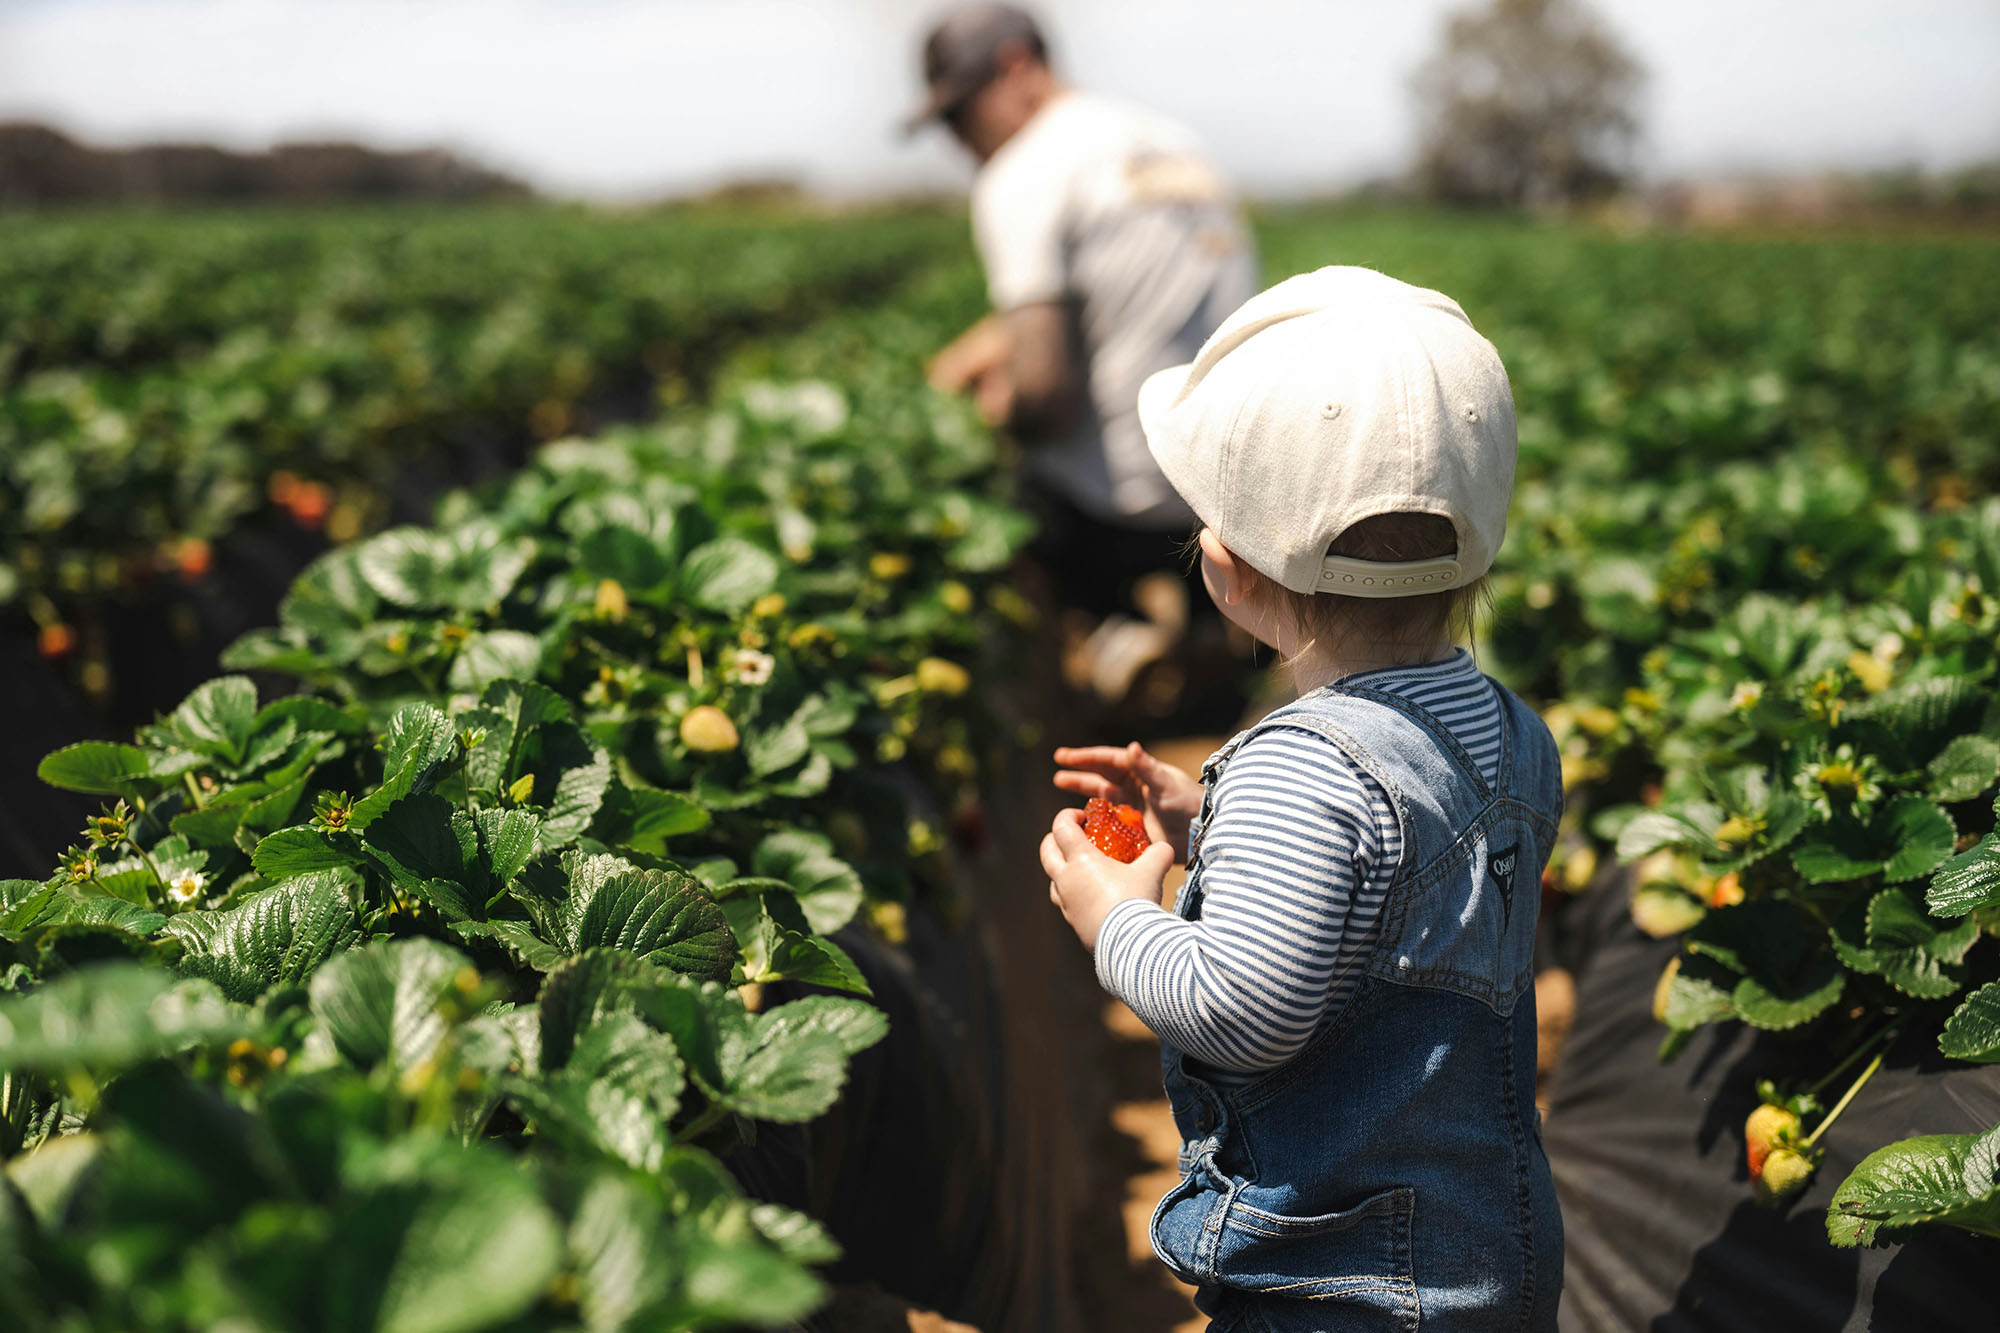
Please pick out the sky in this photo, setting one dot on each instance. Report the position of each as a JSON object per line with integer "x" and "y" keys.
{"x": 636, "y": 98}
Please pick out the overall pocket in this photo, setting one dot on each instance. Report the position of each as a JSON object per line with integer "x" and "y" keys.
{"x": 1358, "y": 1257}
{"x": 1186, "y": 1221}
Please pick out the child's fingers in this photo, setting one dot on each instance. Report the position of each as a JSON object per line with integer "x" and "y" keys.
{"x": 1149, "y": 768}
{"x": 1053, "y": 861}
{"x": 1105, "y": 759}
{"x": 1086, "y": 784}
{"x": 1157, "y": 859}
{"x": 1069, "y": 836}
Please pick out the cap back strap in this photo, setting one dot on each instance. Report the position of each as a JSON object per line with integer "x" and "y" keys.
{"x": 1382, "y": 578}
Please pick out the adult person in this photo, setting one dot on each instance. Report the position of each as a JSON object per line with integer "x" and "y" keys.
{"x": 1112, "y": 249}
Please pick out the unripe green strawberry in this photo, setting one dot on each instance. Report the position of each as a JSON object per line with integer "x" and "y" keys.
{"x": 1769, "y": 1127}
{"x": 1785, "y": 1173}
{"x": 708, "y": 730}
{"x": 1664, "y": 987}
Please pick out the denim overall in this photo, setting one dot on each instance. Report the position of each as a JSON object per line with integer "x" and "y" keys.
{"x": 1391, "y": 1175}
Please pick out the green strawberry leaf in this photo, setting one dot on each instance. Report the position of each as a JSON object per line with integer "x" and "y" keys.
{"x": 1965, "y": 768}
{"x": 417, "y": 745}
{"x": 1921, "y": 834}
{"x": 378, "y": 1005}
{"x": 97, "y": 767}
{"x": 1915, "y": 953}
{"x": 777, "y": 944}
{"x": 424, "y": 837}
{"x": 1908, "y": 837}
{"x": 1802, "y": 996}
{"x": 727, "y": 574}
{"x": 788, "y": 1065}
{"x": 1691, "y": 827}
{"x": 664, "y": 916}
{"x": 490, "y": 655}
{"x": 1941, "y": 1178}
{"x": 440, "y": 1238}
{"x": 508, "y": 712}
{"x": 1699, "y": 993}
{"x": 585, "y": 770}
{"x": 275, "y": 937}
{"x": 299, "y": 850}
{"x": 217, "y": 718}
{"x": 796, "y": 1236}
{"x": 644, "y": 818}
{"x": 829, "y": 891}
{"x": 508, "y": 840}
{"x": 617, "y": 1091}
{"x": 466, "y": 568}
{"x": 1973, "y": 1031}
{"x": 581, "y": 990}
{"x": 112, "y": 1017}
{"x": 1969, "y": 881}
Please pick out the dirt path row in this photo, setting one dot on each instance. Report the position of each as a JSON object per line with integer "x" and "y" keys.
{"x": 1143, "y": 1134}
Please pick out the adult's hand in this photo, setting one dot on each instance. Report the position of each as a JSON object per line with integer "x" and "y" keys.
{"x": 969, "y": 358}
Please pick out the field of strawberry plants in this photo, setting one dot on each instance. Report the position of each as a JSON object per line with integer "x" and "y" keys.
{"x": 424, "y": 967}
{"x": 165, "y": 380}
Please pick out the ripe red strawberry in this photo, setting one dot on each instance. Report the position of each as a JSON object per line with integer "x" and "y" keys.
{"x": 1119, "y": 831}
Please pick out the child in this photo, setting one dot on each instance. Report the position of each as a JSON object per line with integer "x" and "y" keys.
{"x": 1343, "y": 989}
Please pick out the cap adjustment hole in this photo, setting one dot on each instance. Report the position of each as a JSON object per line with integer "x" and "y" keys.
{"x": 1330, "y": 410}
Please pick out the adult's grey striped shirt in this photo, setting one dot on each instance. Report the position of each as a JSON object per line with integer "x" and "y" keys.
{"x": 1298, "y": 851}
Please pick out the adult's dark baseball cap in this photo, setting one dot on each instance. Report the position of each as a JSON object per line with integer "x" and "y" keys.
{"x": 962, "y": 54}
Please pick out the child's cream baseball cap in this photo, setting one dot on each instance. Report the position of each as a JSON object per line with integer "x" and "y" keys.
{"x": 1335, "y": 396}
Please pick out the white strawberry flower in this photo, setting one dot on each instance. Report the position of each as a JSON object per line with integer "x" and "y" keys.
{"x": 750, "y": 666}
{"x": 187, "y": 886}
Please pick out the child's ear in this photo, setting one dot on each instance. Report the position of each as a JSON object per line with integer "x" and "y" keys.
{"x": 1237, "y": 578}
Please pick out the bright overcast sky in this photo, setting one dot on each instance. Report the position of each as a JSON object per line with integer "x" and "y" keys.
{"x": 633, "y": 97}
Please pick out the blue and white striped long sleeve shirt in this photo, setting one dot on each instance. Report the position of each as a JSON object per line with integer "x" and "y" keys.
{"x": 1298, "y": 852}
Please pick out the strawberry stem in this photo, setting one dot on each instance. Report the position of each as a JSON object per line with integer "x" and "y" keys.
{"x": 1854, "y": 1055}
{"x": 1846, "y": 1097}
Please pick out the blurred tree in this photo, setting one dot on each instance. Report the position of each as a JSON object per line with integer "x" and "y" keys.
{"x": 1527, "y": 102}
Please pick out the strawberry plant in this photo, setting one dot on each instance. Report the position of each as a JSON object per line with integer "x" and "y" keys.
{"x": 1823, "y": 837}
{"x": 431, "y": 996}
{"x": 164, "y": 381}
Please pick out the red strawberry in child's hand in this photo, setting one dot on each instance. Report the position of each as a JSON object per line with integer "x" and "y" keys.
{"x": 1119, "y": 831}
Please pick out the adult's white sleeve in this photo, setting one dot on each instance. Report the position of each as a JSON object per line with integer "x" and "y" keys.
{"x": 1019, "y": 225}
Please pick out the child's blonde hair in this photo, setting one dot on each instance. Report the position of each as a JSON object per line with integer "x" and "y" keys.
{"x": 1403, "y": 625}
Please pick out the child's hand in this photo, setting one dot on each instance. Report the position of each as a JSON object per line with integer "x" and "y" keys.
{"x": 1086, "y": 884}
{"x": 1131, "y": 776}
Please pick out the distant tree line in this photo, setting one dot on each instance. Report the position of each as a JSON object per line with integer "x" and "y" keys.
{"x": 41, "y": 165}
{"x": 1526, "y": 103}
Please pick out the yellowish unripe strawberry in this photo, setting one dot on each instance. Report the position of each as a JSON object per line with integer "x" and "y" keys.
{"x": 887, "y": 565}
{"x": 1769, "y": 1128}
{"x": 935, "y": 675}
{"x": 1660, "y": 911}
{"x": 1664, "y": 987}
{"x": 708, "y": 730}
{"x": 1786, "y": 1172}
